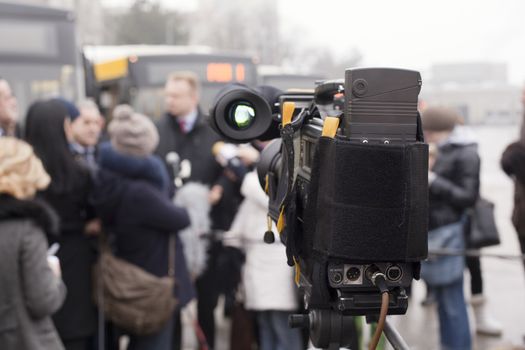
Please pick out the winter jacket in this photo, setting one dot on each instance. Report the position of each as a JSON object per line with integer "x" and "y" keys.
{"x": 29, "y": 291}
{"x": 196, "y": 146}
{"x": 77, "y": 317}
{"x": 513, "y": 163}
{"x": 141, "y": 217}
{"x": 267, "y": 279}
{"x": 455, "y": 186}
{"x": 148, "y": 168}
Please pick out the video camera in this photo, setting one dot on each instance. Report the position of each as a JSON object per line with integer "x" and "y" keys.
{"x": 348, "y": 187}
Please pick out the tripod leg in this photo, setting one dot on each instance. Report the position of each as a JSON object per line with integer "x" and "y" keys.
{"x": 394, "y": 338}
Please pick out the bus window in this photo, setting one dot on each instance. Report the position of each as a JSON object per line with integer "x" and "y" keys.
{"x": 240, "y": 73}
{"x": 148, "y": 67}
{"x": 219, "y": 73}
{"x": 38, "y": 53}
{"x": 34, "y": 39}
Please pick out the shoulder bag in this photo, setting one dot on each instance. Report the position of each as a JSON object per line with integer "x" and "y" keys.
{"x": 132, "y": 298}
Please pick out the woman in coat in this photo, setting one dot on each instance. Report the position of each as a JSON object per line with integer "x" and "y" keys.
{"x": 135, "y": 208}
{"x": 46, "y": 125}
{"x": 266, "y": 278}
{"x": 31, "y": 288}
{"x": 453, "y": 188}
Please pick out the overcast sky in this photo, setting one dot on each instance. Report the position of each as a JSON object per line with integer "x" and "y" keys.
{"x": 406, "y": 33}
{"x": 417, "y": 33}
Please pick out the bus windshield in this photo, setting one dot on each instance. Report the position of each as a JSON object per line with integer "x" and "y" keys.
{"x": 39, "y": 59}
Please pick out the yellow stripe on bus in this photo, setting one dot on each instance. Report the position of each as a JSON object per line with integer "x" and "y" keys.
{"x": 111, "y": 69}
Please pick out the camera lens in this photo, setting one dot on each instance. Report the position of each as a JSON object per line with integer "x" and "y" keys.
{"x": 241, "y": 115}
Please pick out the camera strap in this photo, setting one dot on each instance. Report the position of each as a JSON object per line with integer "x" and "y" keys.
{"x": 286, "y": 221}
{"x": 288, "y": 217}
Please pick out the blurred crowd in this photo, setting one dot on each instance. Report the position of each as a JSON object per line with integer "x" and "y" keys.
{"x": 93, "y": 211}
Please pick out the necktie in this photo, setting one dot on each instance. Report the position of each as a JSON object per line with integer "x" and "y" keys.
{"x": 182, "y": 125}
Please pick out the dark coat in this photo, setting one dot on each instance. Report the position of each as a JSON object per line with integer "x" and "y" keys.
{"x": 141, "y": 217}
{"x": 513, "y": 163}
{"x": 196, "y": 146}
{"x": 149, "y": 168}
{"x": 77, "y": 318}
{"x": 29, "y": 293}
{"x": 456, "y": 185}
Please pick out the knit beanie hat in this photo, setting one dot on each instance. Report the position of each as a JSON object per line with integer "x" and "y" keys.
{"x": 439, "y": 118}
{"x": 132, "y": 133}
{"x": 72, "y": 110}
{"x": 21, "y": 172}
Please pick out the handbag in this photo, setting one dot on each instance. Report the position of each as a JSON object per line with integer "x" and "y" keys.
{"x": 242, "y": 336}
{"x": 483, "y": 230}
{"x": 135, "y": 300}
{"x": 444, "y": 270}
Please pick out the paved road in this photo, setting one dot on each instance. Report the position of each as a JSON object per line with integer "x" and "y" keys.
{"x": 504, "y": 280}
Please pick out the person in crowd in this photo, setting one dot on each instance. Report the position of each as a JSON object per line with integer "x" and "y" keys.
{"x": 8, "y": 110}
{"x": 267, "y": 280}
{"x": 185, "y": 130}
{"x": 453, "y": 188}
{"x": 513, "y": 163}
{"x": 134, "y": 205}
{"x": 68, "y": 193}
{"x": 86, "y": 128}
{"x": 485, "y": 324}
{"x": 31, "y": 287}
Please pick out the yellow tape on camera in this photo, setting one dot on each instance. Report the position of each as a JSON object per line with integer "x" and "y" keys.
{"x": 330, "y": 126}
{"x": 280, "y": 222}
{"x": 297, "y": 271}
{"x": 288, "y": 109}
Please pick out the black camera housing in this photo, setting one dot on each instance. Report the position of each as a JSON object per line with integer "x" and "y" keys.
{"x": 353, "y": 203}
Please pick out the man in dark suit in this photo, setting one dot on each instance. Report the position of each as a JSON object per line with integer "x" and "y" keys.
{"x": 184, "y": 129}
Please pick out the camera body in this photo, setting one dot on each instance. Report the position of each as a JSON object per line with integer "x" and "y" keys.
{"x": 348, "y": 203}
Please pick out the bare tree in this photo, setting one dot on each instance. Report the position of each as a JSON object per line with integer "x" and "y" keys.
{"x": 248, "y": 26}
{"x": 146, "y": 22}
{"x": 319, "y": 60}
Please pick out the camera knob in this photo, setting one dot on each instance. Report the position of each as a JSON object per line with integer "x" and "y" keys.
{"x": 269, "y": 237}
{"x": 360, "y": 87}
{"x": 299, "y": 321}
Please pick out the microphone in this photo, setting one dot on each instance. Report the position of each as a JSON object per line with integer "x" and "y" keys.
{"x": 227, "y": 155}
{"x": 181, "y": 169}
{"x": 173, "y": 159}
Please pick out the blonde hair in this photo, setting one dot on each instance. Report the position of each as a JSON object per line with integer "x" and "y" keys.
{"x": 191, "y": 78}
{"x": 21, "y": 172}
